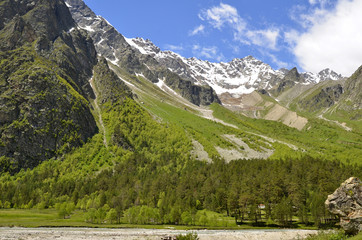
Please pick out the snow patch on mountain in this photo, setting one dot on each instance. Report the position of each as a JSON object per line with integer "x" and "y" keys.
{"x": 162, "y": 85}
{"x": 144, "y": 46}
{"x": 326, "y": 74}
{"x": 240, "y": 76}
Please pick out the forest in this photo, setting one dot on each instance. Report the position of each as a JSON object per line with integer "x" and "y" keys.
{"x": 147, "y": 176}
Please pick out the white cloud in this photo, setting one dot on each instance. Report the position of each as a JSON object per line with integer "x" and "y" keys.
{"x": 323, "y": 3}
{"x": 264, "y": 38}
{"x": 218, "y": 16}
{"x": 291, "y": 37}
{"x": 225, "y": 15}
{"x": 173, "y": 48}
{"x": 208, "y": 52}
{"x": 333, "y": 39}
{"x": 235, "y": 49}
{"x": 276, "y": 61}
{"x": 197, "y": 30}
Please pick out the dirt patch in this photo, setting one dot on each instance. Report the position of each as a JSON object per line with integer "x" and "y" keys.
{"x": 243, "y": 103}
{"x": 252, "y": 99}
{"x": 199, "y": 153}
{"x": 245, "y": 152}
{"x": 208, "y": 114}
{"x": 253, "y": 104}
{"x": 289, "y": 118}
{"x": 274, "y": 140}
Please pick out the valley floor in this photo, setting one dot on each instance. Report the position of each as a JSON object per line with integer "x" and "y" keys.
{"x": 149, "y": 234}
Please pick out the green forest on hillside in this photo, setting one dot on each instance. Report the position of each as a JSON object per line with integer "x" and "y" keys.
{"x": 147, "y": 176}
{"x": 87, "y": 143}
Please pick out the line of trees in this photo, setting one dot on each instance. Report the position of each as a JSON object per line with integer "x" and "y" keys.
{"x": 257, "y": 191}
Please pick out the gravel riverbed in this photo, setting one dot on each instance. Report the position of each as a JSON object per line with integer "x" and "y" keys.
{"x": 147, "y": 234}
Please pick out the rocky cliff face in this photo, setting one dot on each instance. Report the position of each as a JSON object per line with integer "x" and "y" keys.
{"x": 111, "y": 89}
{"x": 290, "y": 79}
{"x": 323, "y": 98}
{"x": 353, "y": 92}
{"x": 45, "y": 65}
{"x": 346, "y": 202}
{"x": 23, "y": 21}
{"x": 116, "y": 49}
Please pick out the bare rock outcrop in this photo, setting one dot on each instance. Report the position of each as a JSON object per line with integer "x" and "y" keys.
{"x": 346, "y": 202}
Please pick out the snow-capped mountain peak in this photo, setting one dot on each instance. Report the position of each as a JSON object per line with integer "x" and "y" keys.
{"x": 145, "y": 46}
{"x": 239, "y": 76}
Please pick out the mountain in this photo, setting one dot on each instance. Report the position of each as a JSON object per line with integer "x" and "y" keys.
{"x": 243, "y": 84}
{"x": 46, "y": 63}
{"x": 96, "y": 128}
{"x": 192, "y": 77}
{"x": 200, "y": 82}
{"x": 56, "y": 82}
{"x": 115, "y": 48}
{"x": 353, "y": 91}
{"x": 240, "y": 76}
{"x": 350, "y": 104}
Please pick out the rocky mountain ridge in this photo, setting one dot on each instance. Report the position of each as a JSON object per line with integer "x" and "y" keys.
{"x": 239, "y": 76}
{"x": 203, "y": 82}
{"x": 115, "y": 48}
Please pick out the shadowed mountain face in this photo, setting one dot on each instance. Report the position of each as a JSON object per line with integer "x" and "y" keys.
{"x": 45, "y": 66}
{"x": 353, "y": 89}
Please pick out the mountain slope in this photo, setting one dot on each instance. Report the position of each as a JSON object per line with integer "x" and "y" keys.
{"x": 352, "y": 98}
{"x": 113, "y": 46}
{"x": 46, "y": 63}
{"x": 348, "y": 109}
{"x": 236, "y": 81}
{"x": 192, "y": 78}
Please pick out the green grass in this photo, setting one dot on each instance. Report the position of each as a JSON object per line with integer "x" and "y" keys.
{"x": 358, "y": 237}
{"x": 32, "y": 218}
{"x": 50, "y": 218}
{"x": 319, "y": 138}
{"x": 345, "y": 117}
{"x": 334, "y": 235}
{"x": 328, "y": 235}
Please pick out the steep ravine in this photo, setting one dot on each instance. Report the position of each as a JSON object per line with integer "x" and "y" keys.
{"x": 98, "y": 111}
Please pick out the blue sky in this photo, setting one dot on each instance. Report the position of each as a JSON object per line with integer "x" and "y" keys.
{"x": 309, "y": 34}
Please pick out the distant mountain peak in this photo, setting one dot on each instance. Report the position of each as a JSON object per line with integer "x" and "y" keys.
{"x": 239, "y": 76}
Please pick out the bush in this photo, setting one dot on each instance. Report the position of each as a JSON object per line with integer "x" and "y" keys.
{"x": 335, "y": 235}
{"x": 189, "y": 236}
